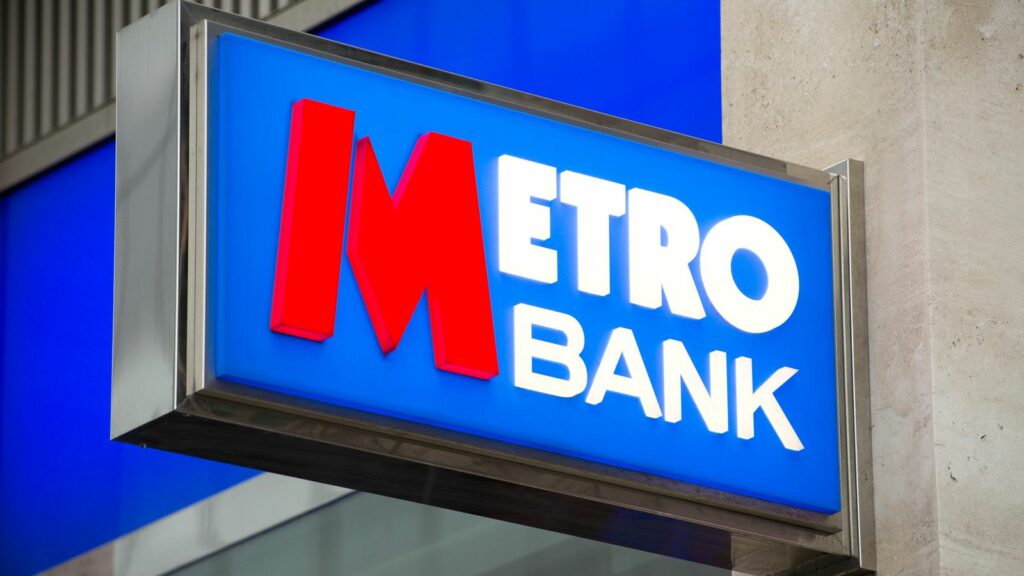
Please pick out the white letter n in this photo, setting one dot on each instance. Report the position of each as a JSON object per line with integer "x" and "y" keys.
{"x": 712, "y": 402}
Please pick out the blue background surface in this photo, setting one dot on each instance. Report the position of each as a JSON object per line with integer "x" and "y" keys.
{"x": 65, "y": 488}
{"x": 650, "y": 61}
{"x": 257, "y": 80}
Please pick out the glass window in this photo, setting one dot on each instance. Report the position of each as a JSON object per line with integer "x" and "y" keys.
{"x": 368, "y": 535}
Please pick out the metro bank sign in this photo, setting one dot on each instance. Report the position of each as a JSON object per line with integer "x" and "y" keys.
{"x": 391, "y": 247}
{"x": 344, "y": 267}
{"x": 425, "y": 240}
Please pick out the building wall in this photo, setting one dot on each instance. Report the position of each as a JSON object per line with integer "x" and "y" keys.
{"x": 974, "y": 122}
{"x": 931, "y": 97}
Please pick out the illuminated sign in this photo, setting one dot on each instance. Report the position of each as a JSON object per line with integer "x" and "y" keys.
{"x": 341, "y": 266}
{"x": 520, "y": 278}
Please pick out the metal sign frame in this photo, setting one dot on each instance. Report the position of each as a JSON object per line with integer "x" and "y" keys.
{"x": 165, "y": 395}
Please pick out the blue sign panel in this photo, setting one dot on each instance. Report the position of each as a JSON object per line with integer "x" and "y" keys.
{"x": 389, "y": 246}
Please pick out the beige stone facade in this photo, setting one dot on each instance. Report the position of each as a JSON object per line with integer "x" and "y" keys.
{"x": 931, "y": 96}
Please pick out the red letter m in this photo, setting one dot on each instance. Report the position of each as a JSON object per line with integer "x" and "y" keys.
{"x": 426, "y": 238}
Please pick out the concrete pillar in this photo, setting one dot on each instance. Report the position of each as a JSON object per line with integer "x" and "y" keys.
{"x": 931, "y": 96}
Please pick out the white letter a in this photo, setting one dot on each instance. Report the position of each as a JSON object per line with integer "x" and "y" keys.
{"x": 622, "y": 344}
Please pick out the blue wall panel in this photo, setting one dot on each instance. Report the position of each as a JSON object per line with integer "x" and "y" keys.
{"x": 64, "y": 488}
{"x": 650, "y": 61}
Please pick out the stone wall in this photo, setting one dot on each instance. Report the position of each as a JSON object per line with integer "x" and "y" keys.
{"x": 931, "y": 96}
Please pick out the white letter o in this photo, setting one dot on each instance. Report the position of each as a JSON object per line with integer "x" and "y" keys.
{"x": 779, "y": 299}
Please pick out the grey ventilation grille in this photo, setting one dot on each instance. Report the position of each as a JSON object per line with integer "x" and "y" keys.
{"x": 57, "y": 70}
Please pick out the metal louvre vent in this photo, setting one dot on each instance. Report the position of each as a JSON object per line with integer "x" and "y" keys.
{"x": 57, "y": 71}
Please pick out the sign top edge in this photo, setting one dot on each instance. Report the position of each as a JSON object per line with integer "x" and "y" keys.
{"x": 222, "y": 22}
